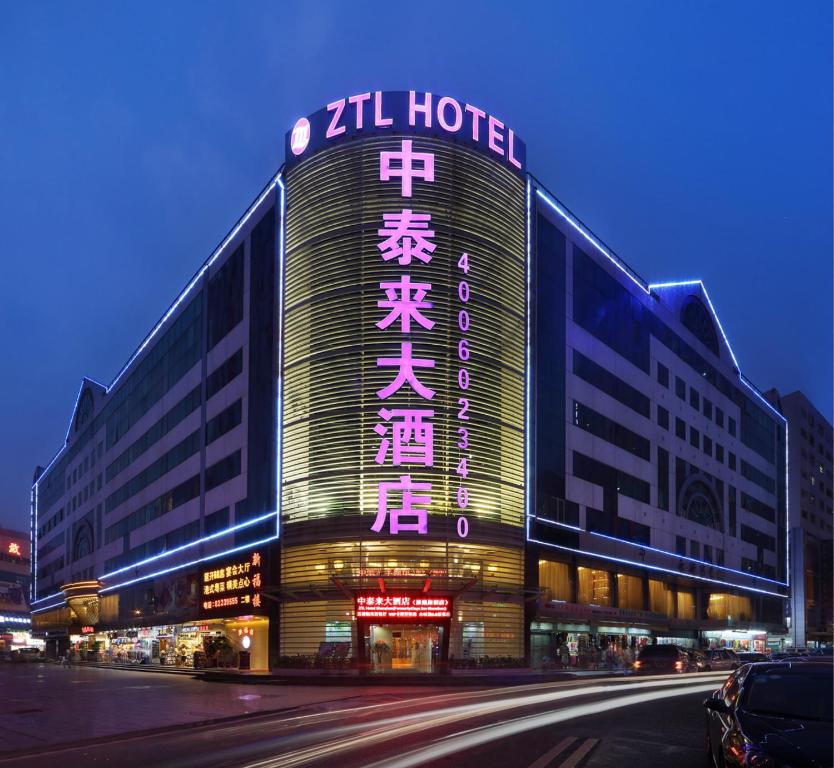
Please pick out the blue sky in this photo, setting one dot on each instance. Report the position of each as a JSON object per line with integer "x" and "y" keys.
{"x": 694, "y": 138}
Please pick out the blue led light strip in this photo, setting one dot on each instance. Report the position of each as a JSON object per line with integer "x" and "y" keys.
{"x": 48, "y": 597}
{"x": 147, "y": 340}
{"x": 662, "y": 551}
{"x": 742, "y": 377}
{"x": 47, "y": 607}
{"x": 591, "y": 239}
{"x": 189, "y": 563}
{"x": 658, "y": 568}
{"x": 219, "y": 534}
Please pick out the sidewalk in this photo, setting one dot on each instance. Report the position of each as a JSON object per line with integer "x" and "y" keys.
{"x": 351, "y": 677}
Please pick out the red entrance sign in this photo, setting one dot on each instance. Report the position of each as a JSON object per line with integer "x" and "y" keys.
{"x": 403, "y": 607}
{"x": 88, "y": 630}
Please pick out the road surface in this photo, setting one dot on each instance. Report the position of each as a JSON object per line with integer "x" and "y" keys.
{"x": 590, "y": 723}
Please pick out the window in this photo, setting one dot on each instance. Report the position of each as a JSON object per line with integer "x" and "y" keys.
{"x": 707, "y": 553}
{"x": 707, "y": 446}
{"x": 224, "y": 373}
{"x": 612, "y": 385}
{"x": 731, "y": 514}
{"x": 629, "y": 592}
{"x": 662, "y": 417}
{"x": 680, "y": 545}
{"x": 680, "y": 428}
{"x": 694, "y": 549}
{"x": 694, "y": 399}
{"x": 732, "y": 461}
{"x": 694, "y": 437}
{"x": 680, "y": 388}
{"x": 708, "y": 408}
{"x": 586, "y": 468}
{"x": 719, "y": 556}
{"x": 719, "y": 452}
{"x": 719, "y": 417}
{"x": 662, "y": 479}
{"x": 554, "y": 579}
{"x": 611, "y": 431}
{"x": 732, "y": 426}
{"x": 663, "y": 375}
{"x": 226, "y": 420}
{"x": 593, "y": 586}
{"x": 223, "y": 470}
{"x": 225, "y": 298}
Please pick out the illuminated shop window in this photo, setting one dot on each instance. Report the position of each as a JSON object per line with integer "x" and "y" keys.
{"x": 729, "y": 607}
{"x": 686, "y": 604}
{"x": 554, "y": 580}
{"x": 593, "y": 586}
{"x": 661, "y": 598}
{"x": 629, "y": 592}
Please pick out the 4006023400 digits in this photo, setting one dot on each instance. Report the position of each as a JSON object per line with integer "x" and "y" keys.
{"x": 464, "y": 380}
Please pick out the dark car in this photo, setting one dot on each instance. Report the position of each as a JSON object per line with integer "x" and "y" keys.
{"x": 663, "y": 659}
{"x": 698, "y": 660}
{"x": 748, "y": 657}
{"x": 773, "y": 715}
{"x": 722, "y": 658}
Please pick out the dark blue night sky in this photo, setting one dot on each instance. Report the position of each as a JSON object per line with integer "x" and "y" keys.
{"x": 694, "y": 138}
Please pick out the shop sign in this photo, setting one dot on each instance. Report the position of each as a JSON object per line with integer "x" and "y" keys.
{"x": 191, "y": 629}
{"x": 14, "y": 549}
{"x": 422, "y": 573}
{"x": 237, "y": 583}
{"x": 88, "y": 630}
{"x": 413, "y": 112}
{"x": 402, "y": 607}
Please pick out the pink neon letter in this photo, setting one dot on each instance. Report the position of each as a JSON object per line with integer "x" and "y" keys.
{"x": 359, "y": 100}
{"x": 510, "y": 155}
{"x": 413, "y": 108}
{"x": 379, "y": 120}
{"x": 332, "y": 130}
{"x": 407, "y": 510}
{"x": 447, "y": 101}
{"x": 495, "y": 138}
{"x": 407, "y": 171}
{"x": 477, "y": 114}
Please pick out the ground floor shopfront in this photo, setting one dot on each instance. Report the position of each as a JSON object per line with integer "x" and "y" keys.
{"x": 234, "y": 643}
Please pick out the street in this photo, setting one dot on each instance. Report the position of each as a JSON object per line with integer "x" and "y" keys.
{"x": 593, "y": 722}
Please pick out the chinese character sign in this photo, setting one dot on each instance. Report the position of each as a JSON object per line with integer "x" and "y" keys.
{"x": 236, "y": 584}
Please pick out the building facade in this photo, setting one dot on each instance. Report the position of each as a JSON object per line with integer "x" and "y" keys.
{"x": 447, "y": 423}
{"x": 810, "y": 484}
{"x": 15, "y": 570}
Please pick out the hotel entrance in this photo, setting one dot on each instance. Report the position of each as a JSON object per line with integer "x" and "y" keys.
{"x": 403, "y": 633}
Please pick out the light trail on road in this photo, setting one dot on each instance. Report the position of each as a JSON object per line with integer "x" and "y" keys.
{"x": 339, "y": 740}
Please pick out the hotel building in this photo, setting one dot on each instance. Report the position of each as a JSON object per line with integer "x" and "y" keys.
{"x": 412, "y": 414}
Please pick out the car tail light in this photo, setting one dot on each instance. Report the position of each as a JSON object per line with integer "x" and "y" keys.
{"x": 637, "y": 664}
{"x": 678, "y": 665}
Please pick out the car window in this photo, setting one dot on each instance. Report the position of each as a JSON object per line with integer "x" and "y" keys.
{"x": 729, "y": 692}
{"x": 792, "y": 694}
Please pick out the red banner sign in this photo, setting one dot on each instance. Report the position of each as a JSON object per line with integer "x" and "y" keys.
{"x": 403, "y": 607}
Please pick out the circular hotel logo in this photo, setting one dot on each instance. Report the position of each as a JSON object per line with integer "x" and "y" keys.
{"x": 300, "y": 137}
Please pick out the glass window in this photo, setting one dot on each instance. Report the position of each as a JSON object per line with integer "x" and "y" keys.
{"x": 694, "y": 399}
{"x": 629, "y": 592}
{"x": 694, "y": 437}
{"x": 661, "y": 598}
{"x": 593, "y": 586}
{"x": 680, "y": 545}
{"x": 732, "y": 426}
{"x": 719, "y": 452}
{"x": 727, "y": 607}
{"x": 554, "y": 579}
{"x": 662, "y": 375}
{"x": 680, "y": 428}
{"x": 662, "y": 479}
{"x": 719, "y": 416}
{"x": 694, "y": 549}
{"x": 680, "y": 388}
{"x": 662, "y": 417}
{"x": 707, "y": 447}
{"x": 685, "y": 604}
{"x": 732, "y": 460}
{"x": 708, "y": 553}
{"x": 708, "y": 408}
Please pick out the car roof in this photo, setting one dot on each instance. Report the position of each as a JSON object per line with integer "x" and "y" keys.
{"x": 799, "y": 667}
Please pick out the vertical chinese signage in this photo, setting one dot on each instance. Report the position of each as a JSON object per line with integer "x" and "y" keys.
{"x": 235, "y": 584}
{"x": 404, "y": 342}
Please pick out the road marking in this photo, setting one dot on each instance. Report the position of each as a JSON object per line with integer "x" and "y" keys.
{"x": 574, "y": 759}
{"x": 545, "y": 759}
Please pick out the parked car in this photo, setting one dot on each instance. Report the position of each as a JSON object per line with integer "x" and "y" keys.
{"x": 722, "y": 658}
{"x": 747, "y": 657}
{"x": 772, "y": 714}
{"x": 663, "y": 659}
{"x": 698, "y": 660}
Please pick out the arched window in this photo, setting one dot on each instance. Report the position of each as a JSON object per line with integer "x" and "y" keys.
{"x": 83, "y": 542}
{"x": 696, "y": 318}
{"x": 698, "y": 502}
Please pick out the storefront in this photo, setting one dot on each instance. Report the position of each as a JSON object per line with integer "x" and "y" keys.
{"x": 737, "y": 640}
{"x": 403, "y": 633}
{"x": 237, "y": 643}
